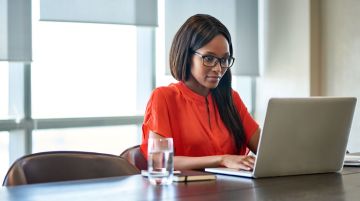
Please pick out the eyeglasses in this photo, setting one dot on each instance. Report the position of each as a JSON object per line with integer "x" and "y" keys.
{"x": 211, "y": 61}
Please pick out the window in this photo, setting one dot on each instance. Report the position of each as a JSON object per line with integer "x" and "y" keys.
{"x": 4, "y": 136}
{"x": 4, "y": 154}
{"x": 83, "y": 70}
{"x": 111, "y": 140}
{"x": 4, "y": 88}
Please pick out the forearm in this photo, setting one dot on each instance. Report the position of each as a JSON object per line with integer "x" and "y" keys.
{"x": 230, "y": 161}
{"x": 185, "y": 162}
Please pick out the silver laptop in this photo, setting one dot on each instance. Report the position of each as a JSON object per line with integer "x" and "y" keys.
{"x": 301, "y": 136}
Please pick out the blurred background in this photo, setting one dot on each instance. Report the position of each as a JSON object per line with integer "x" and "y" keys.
{"x": 77, "y": 74}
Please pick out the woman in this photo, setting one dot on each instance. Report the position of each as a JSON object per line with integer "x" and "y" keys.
{"x": 207, "y": 120}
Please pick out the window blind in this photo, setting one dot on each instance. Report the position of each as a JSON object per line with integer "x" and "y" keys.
{"x": 128, "y": 12}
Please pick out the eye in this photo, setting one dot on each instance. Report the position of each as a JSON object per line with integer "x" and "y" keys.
{"x": 225, "y": 60}
{"x": 209, "y": 59}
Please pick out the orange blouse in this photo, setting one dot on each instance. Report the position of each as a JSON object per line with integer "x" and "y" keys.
{"x": 193, "y": 122}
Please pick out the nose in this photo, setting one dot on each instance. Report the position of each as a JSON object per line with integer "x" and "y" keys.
{"x": 217, "y": 67}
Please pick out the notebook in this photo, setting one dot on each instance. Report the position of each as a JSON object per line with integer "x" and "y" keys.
{"x": 301, "y": 136}
{"x": 190, "y": 175}
{"x": 187, "y": 175}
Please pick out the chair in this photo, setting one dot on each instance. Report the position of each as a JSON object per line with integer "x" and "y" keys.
{"x": 66, "y": 165}
{"x": 134, "y": 156}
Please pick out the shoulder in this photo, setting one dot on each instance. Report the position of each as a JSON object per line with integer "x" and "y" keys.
{"x": 166, "y": 91}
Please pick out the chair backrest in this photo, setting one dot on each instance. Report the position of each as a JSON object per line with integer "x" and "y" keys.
{"x": 66, "y": 165}
{"x": 134, "y": 156}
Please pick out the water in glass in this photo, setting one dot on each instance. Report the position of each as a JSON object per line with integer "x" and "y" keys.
{"x": 160, "y": 161}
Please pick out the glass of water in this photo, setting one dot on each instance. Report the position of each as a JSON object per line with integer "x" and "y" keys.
{"x": 160, "y": 161}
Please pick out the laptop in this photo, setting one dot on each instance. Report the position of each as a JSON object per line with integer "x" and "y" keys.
{"x": 352, "y": 160}
{"x": 301, "y": 136}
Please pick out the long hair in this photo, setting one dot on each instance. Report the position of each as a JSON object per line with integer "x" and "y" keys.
{"x": 195, "y": 33}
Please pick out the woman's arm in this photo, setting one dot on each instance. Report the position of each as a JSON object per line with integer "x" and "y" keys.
{"x": 254, "y": 141}
{"x": 230, "y": 161}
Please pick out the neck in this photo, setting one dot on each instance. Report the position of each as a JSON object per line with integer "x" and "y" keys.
{"x": 197, "y": 88}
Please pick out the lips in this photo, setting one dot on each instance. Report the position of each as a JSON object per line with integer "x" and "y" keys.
{"x": 213, "y": 78}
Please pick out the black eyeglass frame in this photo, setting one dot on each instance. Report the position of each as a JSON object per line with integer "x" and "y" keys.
{"x": 232, "y": 60}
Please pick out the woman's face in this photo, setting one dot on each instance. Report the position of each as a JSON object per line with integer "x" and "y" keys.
{"x": 203, "y": 78}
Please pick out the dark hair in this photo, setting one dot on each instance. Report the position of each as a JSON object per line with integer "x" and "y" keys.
{"x": 196, "y": 32}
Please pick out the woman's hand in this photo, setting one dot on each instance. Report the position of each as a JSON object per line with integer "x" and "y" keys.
{"x": 238, "y": 162}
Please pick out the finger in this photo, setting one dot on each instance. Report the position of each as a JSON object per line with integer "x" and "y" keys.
{"x": 243, "y": 166}
{"x": 248, "y": 163}
{"x": 251, "y": 159}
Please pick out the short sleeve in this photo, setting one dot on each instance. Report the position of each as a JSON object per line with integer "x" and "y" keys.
{"x": 156, "y": 118}
{"x": 249, "y": 124}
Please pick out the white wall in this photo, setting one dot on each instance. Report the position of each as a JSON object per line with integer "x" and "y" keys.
{"x": 310, "y": 47}
{"x": 284, "y": 51}
{"x": 340, "y": 52}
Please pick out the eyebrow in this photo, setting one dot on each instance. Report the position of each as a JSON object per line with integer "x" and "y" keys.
{"x": 213, "y": 54}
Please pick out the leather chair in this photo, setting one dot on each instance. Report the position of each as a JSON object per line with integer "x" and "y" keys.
{"x": 134, "y": 156}
{"x": 66, "y": 165}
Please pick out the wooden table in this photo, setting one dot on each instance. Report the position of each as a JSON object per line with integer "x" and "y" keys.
{"x": 334, "y": 186}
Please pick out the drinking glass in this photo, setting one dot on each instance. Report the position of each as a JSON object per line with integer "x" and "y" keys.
{"x": 160, "y": 161}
